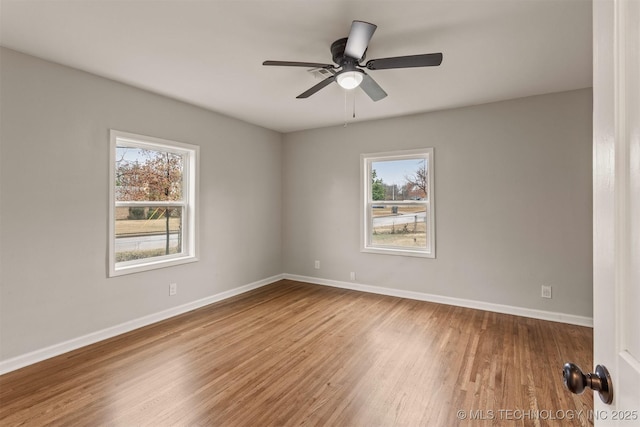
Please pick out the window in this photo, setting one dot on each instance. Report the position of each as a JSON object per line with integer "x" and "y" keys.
{"x": 398, "y": 204}
{"x": 152, "y": 215}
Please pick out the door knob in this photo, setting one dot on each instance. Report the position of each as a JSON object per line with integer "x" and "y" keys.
{"x": 600, "y": 381}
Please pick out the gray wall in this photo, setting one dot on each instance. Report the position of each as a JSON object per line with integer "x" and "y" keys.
{"x": 54, "y": 150}
{"x": 512, "y": 193}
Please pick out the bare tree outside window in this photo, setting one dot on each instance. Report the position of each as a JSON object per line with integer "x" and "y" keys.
{"x": 418, "y": 182}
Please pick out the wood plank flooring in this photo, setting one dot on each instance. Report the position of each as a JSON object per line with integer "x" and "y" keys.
{"x": 298, "y": 354}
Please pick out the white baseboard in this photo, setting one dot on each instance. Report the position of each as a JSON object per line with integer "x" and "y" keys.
{"x": 480, "y": 305}
{"x": 75, "y": 343}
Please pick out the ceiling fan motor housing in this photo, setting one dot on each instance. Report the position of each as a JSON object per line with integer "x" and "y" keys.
{"x": 337, "y": 52}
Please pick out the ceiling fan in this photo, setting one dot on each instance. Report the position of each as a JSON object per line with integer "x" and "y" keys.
{"x": 348, "y": 53}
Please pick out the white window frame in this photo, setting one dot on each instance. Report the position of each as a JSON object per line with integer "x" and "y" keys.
{"x": 189, "y": 204}
{"x": 366, "y": 220}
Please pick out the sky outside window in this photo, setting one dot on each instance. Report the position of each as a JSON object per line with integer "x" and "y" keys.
{"x": 396, "y": 171}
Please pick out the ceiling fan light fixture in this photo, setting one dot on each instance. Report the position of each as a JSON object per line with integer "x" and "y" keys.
{"x": 350, "y": 79}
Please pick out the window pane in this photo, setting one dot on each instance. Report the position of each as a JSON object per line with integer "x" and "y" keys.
{"x": 399, "y": 226}
{"x": 148, "y": 175}
{"x": 147, "y": 231}
{"x": 405, "y": 179}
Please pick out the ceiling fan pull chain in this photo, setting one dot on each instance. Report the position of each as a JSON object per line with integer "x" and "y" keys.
{"x": 354, "y": 104}
{"x": 345, "y": 109}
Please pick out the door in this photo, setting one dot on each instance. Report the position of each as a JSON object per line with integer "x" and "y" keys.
{"x": 616, "y": 214}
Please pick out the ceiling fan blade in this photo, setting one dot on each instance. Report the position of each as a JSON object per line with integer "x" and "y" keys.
{"x": 358, "y": 39}
{"x": 371, "y": 88}
{"x": 298, "y": 64}
{"x": 426, "y": 60}
{"x": 317, "y": 87}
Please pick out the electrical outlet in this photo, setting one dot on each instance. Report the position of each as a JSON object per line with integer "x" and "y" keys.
{"x": 317, "y": 265}
{"x": 353, "y": 275}
{"x": 546, "y": 291}
{"x": 173, "y": 289}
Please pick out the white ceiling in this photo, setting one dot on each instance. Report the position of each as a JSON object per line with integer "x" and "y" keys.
{"x": 209, "y": 53}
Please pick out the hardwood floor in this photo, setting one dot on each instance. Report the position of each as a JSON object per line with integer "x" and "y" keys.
{"x": 298, "y": 354}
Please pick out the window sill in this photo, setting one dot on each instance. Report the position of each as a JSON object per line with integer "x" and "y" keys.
{"x": 398, "y": 252}
{"x": 153, "y": 265}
